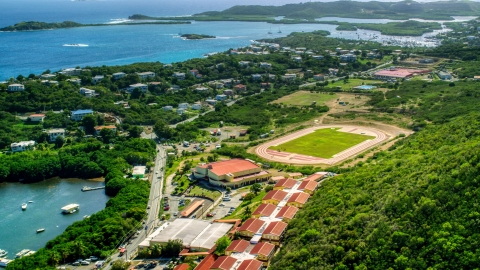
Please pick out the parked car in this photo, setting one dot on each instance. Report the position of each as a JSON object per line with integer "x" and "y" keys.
{"x": 210, "y": 214}
{"x": 166, "y": 208}
{"x": 222, "y": 204}
{"x": 84, "y": 263}
{"x": 76, "y": 263}
{"x": 93, "y": 258}
{"x": 175, "y": 214}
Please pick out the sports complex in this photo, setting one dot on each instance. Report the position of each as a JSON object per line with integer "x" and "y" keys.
{"x": 326, "y": 144}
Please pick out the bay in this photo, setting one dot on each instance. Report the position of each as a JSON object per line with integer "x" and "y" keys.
{"x": 18, "y": 228}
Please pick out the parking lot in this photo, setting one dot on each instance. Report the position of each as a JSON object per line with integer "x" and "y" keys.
{"x": 222, "y": 209}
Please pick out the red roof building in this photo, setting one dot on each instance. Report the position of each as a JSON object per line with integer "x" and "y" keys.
{"x": 250, "y": 265}
{"x": 264, "y": 251}
{"x": 223, "y": 263}
{"x": 240, "y": 88}
{"x": 308, "y": 186}
{"x": 285, "y": 183}
{"x": 250, "y": 227}
{"x": 316, "y": 176}
{"x": 183, "y": 266}
{"x": 298, "y": 199}
{"x": 287, "y": 213}
{"x": 274, "y": 230}
{"x": 237, "y": 246}
{"x": 264, "y": 210}
{"x": 398, "y": 73}
{"x": 274, "y": 197}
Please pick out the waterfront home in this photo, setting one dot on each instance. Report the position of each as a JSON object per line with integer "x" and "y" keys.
{"x": 54, "y": 133}
{"x": 22, "y": 146}
{"x": 110, "y": 127}
{"x": 49, "y": 83}
{"x": 16, "y": 87}
{"x": 118, "y": 75}
{"x": 179, "y": 75}
{"x": 71, "y": 72}
{"x": 146, "y": 75}
{"x": 36, "y": 117}
{"x": 79, "y": 114}
{"x": 97, "y": 79}
{"x": 87, "y": 92}
{"x": 142, "y": 87}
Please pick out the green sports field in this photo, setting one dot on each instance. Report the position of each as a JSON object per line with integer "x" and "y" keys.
{"x": 304, "y": 98}
{"x": 323, "y": 143}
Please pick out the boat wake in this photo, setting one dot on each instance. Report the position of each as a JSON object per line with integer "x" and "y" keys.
{"x": 75, "y": 45}
{"x": 114, "y": 21}
{"x": 231, "y": 37}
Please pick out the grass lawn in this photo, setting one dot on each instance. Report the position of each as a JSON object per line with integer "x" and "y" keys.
{"x": 201, "y": 191}
{"x": 302, "y": 98}
{"x": 323, "y": 143}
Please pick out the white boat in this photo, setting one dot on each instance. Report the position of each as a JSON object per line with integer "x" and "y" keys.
{"x": 71, "y": 208}
{"x": 40, "y": 230}
{"x": 24, "y": 206}
{"x": 4, "y": 262}
{"x": 22, "y": 253}
{"x": 30, "y": 201}
{"x": 3, "y": 253}
{"x": 75, "y": 45}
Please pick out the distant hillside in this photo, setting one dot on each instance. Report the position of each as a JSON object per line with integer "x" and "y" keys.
{"x": 412, "y": 207}
{"x": 392, "y": 10}
{"x": 25, "y": 26}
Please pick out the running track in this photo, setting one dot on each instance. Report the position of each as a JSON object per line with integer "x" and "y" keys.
{"x": 293, "y": 158}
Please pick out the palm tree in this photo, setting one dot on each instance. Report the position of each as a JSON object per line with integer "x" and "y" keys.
{"x": 54, "y": 258}
{"x": 156, "y": 250}
{"x": 79, "y": 248}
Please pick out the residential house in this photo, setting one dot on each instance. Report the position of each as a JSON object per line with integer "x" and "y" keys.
{"x": 194, "y": 72}
{"x": 308, "y": 187}
{"x": 97, "y": 79}
{"x": 199, "y": 76}
{"x": 289, "y": 77}
{"x": 250, "y": 265}
{"x": 298, "y": 199}
{"x": 250, "y": 227}
{"x": 274, "y": 197}
{"x": 110, "y": 127}
{"x": 210, "y": 101}
{"x": 79, "y": 114}
{"x": 183, "y": 105}
{"x": 297, "y": 59}
{"x": 256, "y": 49}
{"x": 227, "y": 82}
{"x": 285, "y": 183}
{"x": 167, "y": 108}
{"x": 256, "y": 77}
{"x": 265, "y": 65}
{"x": 48, "y": 76}
{"x": 244, "y": 63}
{"x": 271, "y": 77}
{"x": 348, "y": 57}
{"x": 54, "y": 133}
{"x": 224, "y": 263}
{"x": 372, "y": 55}
{"x": 228, "y": 92}
{"x": 155, "y": 85}
{"x": 38, "y": 117}
{"x": 333, "y": 71}
{"x": 71, "y": 71}
{"x": 240, "y": 88}
{"x": 318, "y": 57}
{"x": 22, "y": 146}
{"x": 264, "y": 210}
{"x": 287, "y": 213}
{"x": 202, "y": 89}
{"x": 221, "y": 97}
{"x": 319, "y": 77}
{"x": 142, "y": 87}
{"x": 180, "y": 110}
{"x": 118, "y": 75}
{"x": 49, "y": 83}
{"x": 197, "y": 106}
{"x": 263, "y": 251}
{"x": 146, "y": 75}
{"x": 233, "y": 52}
{"x": 87, "y": 92}
{"x": 179, "y": 75}
{"x": 237, "y": 246}
{"x": 75, "y": 80}
{"x": 425, "y": 61}
{"x": 274, "y": 231}
{"x": 16, "y": 87}
{"x": 444, "y": 75}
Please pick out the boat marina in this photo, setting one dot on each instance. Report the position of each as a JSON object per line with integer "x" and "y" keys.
{"x": 71, "y": 208}
{"x": 24, "y": 252}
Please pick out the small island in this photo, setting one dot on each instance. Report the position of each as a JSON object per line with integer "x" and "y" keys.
{"x": 196, "y": 36}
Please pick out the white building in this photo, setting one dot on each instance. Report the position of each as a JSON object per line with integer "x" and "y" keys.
{"x": 183, "y": 106}
{"x": 318, "y": 57}
{"x": 167, "y": 108}
{"x": 75, "y": 81}
{"x": 141, "y": 86}
{"x": 118, "y": 75}
{"x": 265, "y": 65}
{"x": 71, "y": 72}
{"x": 196, "y": 106}
{"x": 48, "y": 76}
{"x": 201, "y": 89}
{"x": 221, "y": 97}
{"x": 97, "y": 79}
{"x": 79, "y": 114}
{"x": 348, "y": 57}
{"x": 256, "y": 77}
{"x": 179, "y": 75}
{"x": 145, "y": 75}
{"x": 244, "y": 63}
{"x": 54, "y": 133}
{"x": 37, "y": 117}
{"x": 16, "y": 87}
{"x": 87, "y": 92}
{"x": 297, "y": 59}
{"x": 22, "y": 146}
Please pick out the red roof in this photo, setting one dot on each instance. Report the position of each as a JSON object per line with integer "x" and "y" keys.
{"x": 275, "y": 228}
{"x": 224, "y": 262}
{"x": 238, "y": 246}
{"x": 300, "y": 197}
{"x": 250, "y": 265}
{"x": 277, "y": 195}
{"x": 308, "y": 185}
{"x": 183, "y": 266}
{"x": 287, "y": 212}
{"x": 397, "y": 73}
{"x": 207, "y": 262}
{"x": 37, "y": 115}
{"x": 230, "y": 166}
{"x": 286, "y": 183}
{"x": 315, "y": 176}
{"x": 264, "y": 210}
{"x": 251, "y": 225}
{"x": 263, "y": 248}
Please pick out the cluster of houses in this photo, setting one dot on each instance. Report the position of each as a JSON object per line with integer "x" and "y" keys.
{"x": 262, "y": 234}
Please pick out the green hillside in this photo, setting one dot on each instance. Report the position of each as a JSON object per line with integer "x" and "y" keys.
{"x": 413, "y": 207}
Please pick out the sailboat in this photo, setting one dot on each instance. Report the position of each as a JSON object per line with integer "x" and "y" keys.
{"x": 270, "y": 32}
{"x": 279, "y": 31}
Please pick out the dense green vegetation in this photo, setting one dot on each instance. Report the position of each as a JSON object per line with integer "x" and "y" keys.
{"x": 412, "y": 207}
{"x": 407, "y": 28}
{"x": 29, "y": 26}
{"x": 196, "y": 36}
